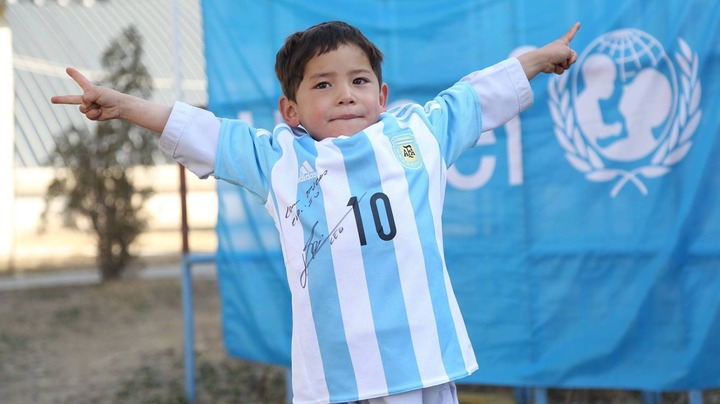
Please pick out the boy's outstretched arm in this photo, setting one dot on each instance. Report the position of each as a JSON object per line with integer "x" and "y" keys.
{"x": 101, "y": 104}
{"x": 555, "y": 57}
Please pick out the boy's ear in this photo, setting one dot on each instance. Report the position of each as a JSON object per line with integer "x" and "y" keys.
{"x": 288, "y": 110}
{"x": 384, "y": 91}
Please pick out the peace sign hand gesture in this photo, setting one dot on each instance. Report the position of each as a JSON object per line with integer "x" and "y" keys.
{"x": 102, "y": 104}
{"x": 97, "y": 103}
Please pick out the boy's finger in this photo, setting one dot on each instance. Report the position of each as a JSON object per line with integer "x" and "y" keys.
{"x": 573, "y": 57}
{"x": 67, "y": 99}
{"x": 83, "y": 82}
{"x": 570, "y": 34}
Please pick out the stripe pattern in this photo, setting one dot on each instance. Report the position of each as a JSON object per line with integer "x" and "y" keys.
{"x": 360, "y": 225}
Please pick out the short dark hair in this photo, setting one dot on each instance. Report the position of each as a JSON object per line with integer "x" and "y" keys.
{"x": 302, "y": 46}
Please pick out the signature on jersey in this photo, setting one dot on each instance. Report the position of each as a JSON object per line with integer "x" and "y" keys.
{"x": 316, "y": 241}
{"x": 310, "y": 195}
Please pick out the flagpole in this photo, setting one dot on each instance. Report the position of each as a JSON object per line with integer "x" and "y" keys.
{"x": 187, "y": 293}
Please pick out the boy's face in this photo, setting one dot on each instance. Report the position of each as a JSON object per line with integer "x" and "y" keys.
{"x": 338, "y": 95}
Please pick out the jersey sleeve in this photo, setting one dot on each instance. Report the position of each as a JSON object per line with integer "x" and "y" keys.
{"x": 503, "y": 91}
{"x": 245, "y": 157}
{"x": 481, "y": 101}
{"x": 190, "y": 137}
{"x": 228, "y": 149}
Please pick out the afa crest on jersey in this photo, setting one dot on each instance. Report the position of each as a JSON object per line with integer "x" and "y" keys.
{"x": 407, "y": 151}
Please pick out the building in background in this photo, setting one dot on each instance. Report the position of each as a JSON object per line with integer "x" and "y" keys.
{"x": 46, "y": 37}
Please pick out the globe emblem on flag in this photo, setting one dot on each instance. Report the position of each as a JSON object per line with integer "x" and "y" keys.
{"x": 626, "y": 112}
{"x": 624, "y": 90}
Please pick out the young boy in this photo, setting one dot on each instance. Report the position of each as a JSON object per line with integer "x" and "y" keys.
{"x": 356, "y": 193}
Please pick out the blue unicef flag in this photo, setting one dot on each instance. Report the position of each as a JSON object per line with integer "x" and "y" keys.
{"x": 582, "y": 238}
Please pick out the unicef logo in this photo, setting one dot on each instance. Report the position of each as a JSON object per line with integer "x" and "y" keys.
{"x": 627, "y": 112}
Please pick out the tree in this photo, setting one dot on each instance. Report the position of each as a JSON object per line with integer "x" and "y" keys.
{"x": 92, "y": 180}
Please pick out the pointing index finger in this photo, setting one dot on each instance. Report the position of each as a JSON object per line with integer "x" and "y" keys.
{"x": 570, "y": 34}
{"x": 67, "y": 99}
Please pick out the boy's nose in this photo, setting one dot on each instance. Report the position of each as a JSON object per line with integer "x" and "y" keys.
{"x": 345, "y": 95}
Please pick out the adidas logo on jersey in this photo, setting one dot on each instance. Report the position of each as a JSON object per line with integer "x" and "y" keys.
{"x": 306, "y": 172}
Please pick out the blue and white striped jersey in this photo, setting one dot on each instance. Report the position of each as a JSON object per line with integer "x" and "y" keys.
{"x": 359, "y": 219}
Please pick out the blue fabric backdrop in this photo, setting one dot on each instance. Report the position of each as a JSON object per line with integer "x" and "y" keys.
{"x": 582, "y": 239}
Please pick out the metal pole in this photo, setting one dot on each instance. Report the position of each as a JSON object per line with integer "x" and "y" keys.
{"x": 184, "y": 229}
{"x": 187, "y": 289}
{"x": 541, "y": 396}
{"x": 522, "y": 395}
{"x": 189, "y": 330}
{"x": 651, "y": 397}
{"x": 288, "y": 386}
{"x": 177, "y": 76}
{"x": 695, "y": 397}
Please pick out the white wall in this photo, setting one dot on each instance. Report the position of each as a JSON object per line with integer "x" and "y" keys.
{"x": 7, "y": 146}
{"x": 61, "y": 247}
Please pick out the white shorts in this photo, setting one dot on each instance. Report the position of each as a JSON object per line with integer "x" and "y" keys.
{"x": 441, "y": 394}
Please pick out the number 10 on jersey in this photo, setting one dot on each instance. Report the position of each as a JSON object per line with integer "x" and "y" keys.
{"x": 376, "y": 201}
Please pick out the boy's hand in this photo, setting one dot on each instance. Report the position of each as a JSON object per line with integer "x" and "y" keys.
{"x": 97, "y": 103}
{"x": 555, "y": 57}
{"x": 101, "y": 104}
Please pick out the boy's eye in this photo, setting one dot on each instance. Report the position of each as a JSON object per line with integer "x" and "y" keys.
{"x": 360, "y": 80}
{"x": 322, "y": 85}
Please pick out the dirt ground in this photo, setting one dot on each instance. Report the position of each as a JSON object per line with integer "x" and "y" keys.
{"x": 120, "y": 343}
{"x": 123, "y": 343}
